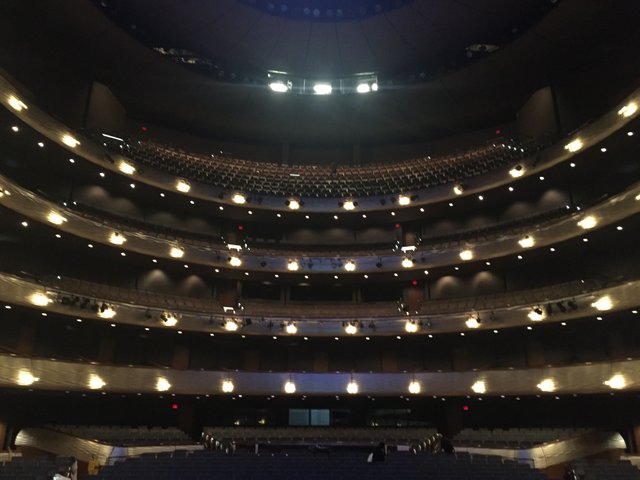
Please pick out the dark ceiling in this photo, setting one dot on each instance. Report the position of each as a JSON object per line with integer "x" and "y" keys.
{"x": 57, "y": 49}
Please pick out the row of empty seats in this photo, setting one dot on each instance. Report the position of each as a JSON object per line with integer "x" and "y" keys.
{"x": 325, "y": 181}
{"x": 601, "y": 469}
{"x": 301, "y": 466}
{"x": 320, "y": 435}
{"x": 34, "y": 468}
{"x": 83, "y": 289}
{"x": 513, "y": 437}
{"x": 122, "y": 436}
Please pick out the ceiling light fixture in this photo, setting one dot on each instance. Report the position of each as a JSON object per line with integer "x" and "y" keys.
{"x": 466, "y": 255}
{"x": 26, "y": 378}
{"x": 176, "y": 252}
{"x": 40, "y": 299}
{"x": 352, "y": 387}
{"x": 291, "y": 328}
{"x": 547, "y": 385}
{"x": 350, "y": 266}
{"x": 404, "y": 200}
{"x": 536, "y": 314}
{"x": 458, "y": 189}
{"x": 230, "y": 325}
{"x": 239, "y": 199}
{"x": 411, "y": 326}
{"x": 289, "y": 387}
{"x": 473, "y": 321}
{"x": 407, "y": 262}
{"x": 527, "y": 242}
{"x": 280, "y": 87}
{"x": 414, "y": 387}
{"x": 349, "y": 204}
{"x": 95, "y": 382}
{"x": 56, "y": 218}
{"x": 106, "y": 311}
{"x": 169, "y": 319}
{"x": 588, "y": 222}
{"x": 235, "y": 261}
{"x": 293, "y": 266}
{"x": 228, "y": 386}
{"x": 517, "y": 171}
{"x": 17, "y": 104}
{"x": 322, "y": 89}
{"x": 183, "y": 186}
{"x": 351, "y": 328}
{"x": 603, "y": 304}
{"x": 293, "y": 204}
{"x": 617, "y": 382}
{"x": 479, "y": 387}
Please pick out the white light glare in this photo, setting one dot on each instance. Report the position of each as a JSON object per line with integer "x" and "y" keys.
{"x": 95, "y": 382}
{"x": 289, "y": 387}
{"x": 527, "y": 242}
{"x": 107, "y": 312}
{"x": 628, "y": 110}
{"x": 227, "y": 386}
{"x": 411, "y": 327}
{"x": 472, "y": 321}
{"x": 588, "y": 222}
{"x": 291, "y": 328}
{"x": 26, "y": 378}
{"x": 352, "y": 388}
{"x": 517, "y": 171}
{"x": 40, "y": 299}
{"x": 574, "y": 145}
{"x": 322, "y": 89}
{"x": 536, "y": 314}
{"x": 414, "y": 387}
{"x": 70, "y": 141}
{"x": 169, "y": 319}
{"x": 351, "y": 329}
{"x": 363, "y": 88}
{"x": 117, "y": 238}
{"x": 479, "y": 387}
{"x": 349, "y": 205}
{"x": 466, "y": 255}
{"x": 183, "y": 186}
{"x": 176, "y": 252}
{"x": 617, "y": 382}
{"x": 404, "y": 200}
{"x": 126, "y": 168}
{"x": 162, "y": 384}
{"x": 56, "y": 218}
{"x": 235, "y": 261}
{"x": 231, "y": 325}
{"x": 458, "y": 189}
{"x": 239, "y": 199}
{"x": 293, "y": 266}
{"x": 17, "y": 104}
{"x": 294, "y": 204}
{"x": 407, "y": 262}
{"x": 547, "y": 385}
{"x": 603, "y": 304}
{"x": 350, "y": 266}
{"x": 280, "y": 87}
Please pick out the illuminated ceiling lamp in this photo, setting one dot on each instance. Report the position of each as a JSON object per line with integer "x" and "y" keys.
{"x": 162, "y": 384}
{"x": 293, "y": 204}
{"x": 458, "y": 189}
{"x": 404, "y": 200}
{"x": 289, "y": 387}
{"x": 466, "y": 255}
{"x": 411, "y": 326}
{"x": 479, "y": 387}
{"x": 363, "y": 88}
{"x": 55, "y": 218}
{"x": 322, "y": 89}
{"x": 547, "y": 385}
{"x": 603, "y": 303}
{"x": 617, "y": 382}
{"x": 117, "y": 238}
{"x": 517, "y": 171}
{"x": 350, "y": 266}
{"x": 349, "y": 204}
{"x": 183, "y": 185}
{"x": 628, "y": 110}
{"x": 95, "y": 382}
{"x": 527, "y": 242}
{"x": 230, "y": 325}
{"x": 574, "y": 145}
{"x": 293, "y": 266}
{"x": 351, "y": 328}
{"x": 407, "y": 262}
{"x": 588, "y": 222}
{"x": 17, "y": 104}
{"x": 176, "y": 252}
{"x": 169, "y": 319}
{"x": 291, "y": 328}
{"x": 414, "y": 387}
{"x": 40, "y": 299}
{"x": 473, "y": 321}
{"x": 26, "y": 378}
{"x": 126, "y": 168}
{"x": 239, "y": 199}
{"x": 536, "y": 314}
{"x": 228, "y": 386}
{"x": 235, "y": 261}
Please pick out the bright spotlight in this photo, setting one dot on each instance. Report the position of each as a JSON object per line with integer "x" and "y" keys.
{"x": 126, "y": 168}
{"x": 294, "y": 204}
{"x": 176, "y": 252}
{"x": 617, "y": 382}
{"x": 352, "y": 388}
{"x": 473, "y": 321}
{"x": 479, "y": 387}
{"x": 95, "y": 382}
{"x": 466, "y": 255}
{"x": 291, "y": 328}
{"x": 231, "y": 325}
{"x": 279, "y": 87}
{"x": 322, "y": 89}
{"x": 70, "y": 141}
{"x": 17, "y": 104}
{"x": 411, "y": 326}
{"x": 527, "y": 242}
{"x": 547, "y": 385}
{"x": 588, "y": 222}
{"x": 351, "y": 328}
{"x": 517, "y": 171}
{"x": 162, "y": 384}
{"x": 293, "y": 266}
{"x": 235, "y": 261}
{"x": 536, "y": 314}
{"x": 350, "y": 266}
{"x": 407, "y": 262}
{"x": 289, "y": 387}
{"x": 349, "y": 205}
{"x": 404, "y": 200}
{"x": 26, "y": 378}
{"x": 227, "y": 386}
{"x": 40, "y": 299}
{"x": 574, "y": 145}
{"x": 628, "y": 110}
{"x": 183, "y": 186}
{"x": 603, "y": 304}
{"x": 414, "y": 387}
{"x": 458, "y": 189}
{"x": 117, "y": 238}
{"x": 56, "y": 218}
